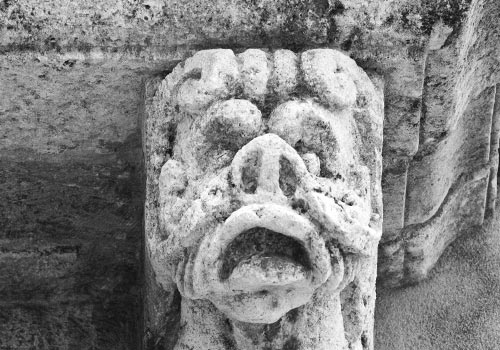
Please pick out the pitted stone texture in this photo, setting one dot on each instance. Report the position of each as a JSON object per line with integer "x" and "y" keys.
{"x": 151, "y": 27}
{"x": 446, "y": 184}
{"x": 238, "y": 120}
{"x": 263, "y": 198}
{"x": 254, "y": 74}
{"x": 206, "y": 77}
{"x": 325, "y": 74}
{"x": 284, "y": 79}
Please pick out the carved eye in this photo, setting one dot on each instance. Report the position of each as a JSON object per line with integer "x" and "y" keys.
{"x": 232, "y": 123}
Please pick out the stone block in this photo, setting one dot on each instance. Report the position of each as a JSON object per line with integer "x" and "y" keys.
{"x": 263, "y": 213}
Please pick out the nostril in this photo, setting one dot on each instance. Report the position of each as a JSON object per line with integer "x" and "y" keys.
{"x": 250, "y": 172}
{"x": 288, "y": 178}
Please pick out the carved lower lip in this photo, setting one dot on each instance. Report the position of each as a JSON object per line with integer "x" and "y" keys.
{"x": 260, "y": 257}
{"x": 305, "y": 264}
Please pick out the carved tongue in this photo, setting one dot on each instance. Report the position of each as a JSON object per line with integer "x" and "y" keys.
{"x": 261, "y": 270}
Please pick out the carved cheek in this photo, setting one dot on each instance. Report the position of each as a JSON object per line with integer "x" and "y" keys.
{"x": 304, "y": 125}
{"x": 286, "y": 121}
{"x": 232, "y": 123}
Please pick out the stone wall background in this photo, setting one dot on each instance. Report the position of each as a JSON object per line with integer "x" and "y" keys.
{"x": 71, "y": 76}
{"x": 70, "y": 208}
{"x": 457, "y": 307}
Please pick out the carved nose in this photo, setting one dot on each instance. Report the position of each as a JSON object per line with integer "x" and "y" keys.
{"x": 268, "y": 165}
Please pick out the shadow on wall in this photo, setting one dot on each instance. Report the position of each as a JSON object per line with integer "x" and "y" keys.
{"x": 69, "y": 257}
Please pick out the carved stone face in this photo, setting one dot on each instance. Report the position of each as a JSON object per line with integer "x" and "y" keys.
{"x": 268, "y": 194}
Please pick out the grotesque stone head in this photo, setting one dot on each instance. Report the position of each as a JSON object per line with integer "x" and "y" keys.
{"x": 267, "y": 175}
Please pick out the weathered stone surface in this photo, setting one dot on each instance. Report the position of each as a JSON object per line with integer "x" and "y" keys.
{"x": 47, "y": 327}
{"x": 266, "y": 249}
{"x": 70, "y": 189}
{"x": 407, "y": 42}
{"x": 71, "y": 73}
{"x": 449, "y": 184}
{"x": 37, "y": 274}
{"x": 456, "y": 307}
{"x": 394, "y": 190}
{"x": 69, "y": 250}
{"x": 151, "y": 25}
{"x": 128, "y": 25}
{"x": 433, "y": 172}
{"x": 58, "y": 104}
{"x": 462, "y": 209}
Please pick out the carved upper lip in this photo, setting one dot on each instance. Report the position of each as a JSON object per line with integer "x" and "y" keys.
{"x": 308, "y": 271}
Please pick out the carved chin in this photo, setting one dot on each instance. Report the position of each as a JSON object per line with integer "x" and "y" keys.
{"x": 262, "y": 262}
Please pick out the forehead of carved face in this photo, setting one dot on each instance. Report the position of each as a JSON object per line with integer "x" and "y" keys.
{"x": 269, "y": 183}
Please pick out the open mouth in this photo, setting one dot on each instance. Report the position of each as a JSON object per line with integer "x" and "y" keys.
{"x": 263, "y": 261}
{"x": 260, "y": 247}
{"x": 260, "y": 256}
